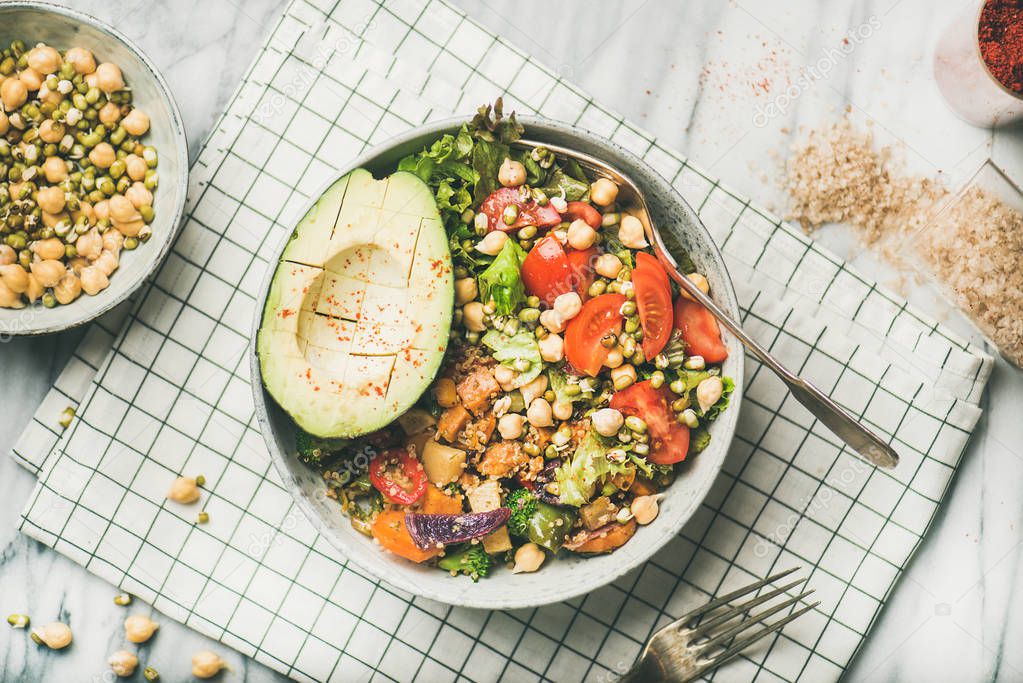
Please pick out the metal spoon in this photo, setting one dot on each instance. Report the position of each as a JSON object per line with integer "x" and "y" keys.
{"x": 864, "y": 442}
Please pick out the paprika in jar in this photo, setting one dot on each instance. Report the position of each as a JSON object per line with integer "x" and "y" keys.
{"x": 978, "y": 63}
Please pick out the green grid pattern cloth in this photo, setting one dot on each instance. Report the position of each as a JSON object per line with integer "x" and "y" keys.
{"x": 162, "y": 388}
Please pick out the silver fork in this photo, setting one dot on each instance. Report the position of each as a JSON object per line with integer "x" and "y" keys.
{"x": 701, "y": 641}
{"x": 863, "y": 441}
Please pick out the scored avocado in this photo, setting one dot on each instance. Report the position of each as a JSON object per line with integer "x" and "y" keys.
{"x": 357, "y": 318}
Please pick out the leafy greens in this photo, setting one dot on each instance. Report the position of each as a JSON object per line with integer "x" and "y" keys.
{"x": 501, "y": 280}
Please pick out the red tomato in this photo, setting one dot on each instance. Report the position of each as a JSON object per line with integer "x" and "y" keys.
{"x": 398, "y": 475}
{"x": 582, "y": 210}
{"x": 643, "y": 259}
{"x": 545, "y": 271}
{"x": 580, "y": 263}
{"x": 653, "y": 301}
{"x": 669, "y": 440}
{"x": 599, "y": 316}
{"x": 699, "y": 330}
{"x": 530, "y": 213}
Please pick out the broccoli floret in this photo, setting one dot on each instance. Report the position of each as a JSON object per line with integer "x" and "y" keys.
{"x": 470, "y": 559}
{"x": 523, "y": 504}
{"x": 316, "y": 451}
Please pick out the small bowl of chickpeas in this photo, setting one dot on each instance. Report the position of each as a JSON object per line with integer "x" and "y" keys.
{"x": 93, "y": 168}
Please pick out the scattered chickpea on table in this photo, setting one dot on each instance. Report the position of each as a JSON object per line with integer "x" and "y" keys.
{"x": 76, "y": 182}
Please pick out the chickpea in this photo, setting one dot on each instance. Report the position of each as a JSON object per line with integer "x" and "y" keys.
{"x": 103, "y": 155}
{"x": 55, "y": 635}
{"x": 113, "y": 241}
{"x": 465, "y": 290}
{"x": 568, "y": 305}
{"x": 552, "y": 321}
{"x": 139, "y": 196}
{"x": 472, "y": 317}
{"x": 50, "y": 199}
{"x": 511, "y": 174}
{"x": 136, "y": 123}
{"x": 444, "y": 392}
{"x": 552, "y": 348}
{"x": 92, "y": 80}
{"x": 94, "y": 280}
{"x": 540, "y": 413}
{"x": 131, "y": 228}
{"x": 581, "y": 235}
{"x": 51, "y": 131}
{"x": 68, "y": 289}
{"x": 90, "y": 245}
{"x": 207, "y": 664}
{"x": 608, "y": 265}
{"x": 701, "y": 284}
{"x": 708, "y": 392}
{"x": 109, "y": 114}
{"x": 603, "y": 192}
{"x": 109, "y": 78}
{"x": 9, "y": 299}
{"x": 50, "y": 220}
{"x": 7, "y": 255}
{"x": 44, "y": 59}
{"x": 107, "y": 260}
{"x": 510, "y": 426}
{"x": 121, "y": 209}
{"x": 184, "y": 490}
{"x": 631, "y": 234}
{"x": 123, "y": 663}
{"x": 492, "y": 244}
{"x": 528, "y": 558}
{"x": 138, "y": 628}
{"x": 533, "y": 389}
{"x": 645, "y": 508}
{"x": 52, "y": 248}
{"x": 82, "y": 59}
{"x": 15, "y": 277}
{"x": 136, "y": 167}
{"x": 562, "y": 410}
{"x": 32, "y": 79}
{"x": 55, "y": 170}
{"x": 101, "y": 209}
{"x": 35, "y": 290}
{"x": 5, "y": 123}
{"x": 13, "y": 93}
{"x": 48, "y": 272}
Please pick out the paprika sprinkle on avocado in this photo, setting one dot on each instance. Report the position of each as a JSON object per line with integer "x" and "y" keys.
{"x": 1000, "y": 35}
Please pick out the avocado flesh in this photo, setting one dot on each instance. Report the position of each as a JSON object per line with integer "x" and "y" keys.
{"x": 357, "y": 318}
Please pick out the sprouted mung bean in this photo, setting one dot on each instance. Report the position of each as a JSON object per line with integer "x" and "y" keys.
{"x": 150, "y": 674}
{"x": 76, "y": 179}
{"x": 18, "y": 620}
{"x": 122, "y": 599}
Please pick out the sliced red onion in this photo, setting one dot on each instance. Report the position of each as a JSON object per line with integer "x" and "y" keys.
{"x": 429, "y": 530}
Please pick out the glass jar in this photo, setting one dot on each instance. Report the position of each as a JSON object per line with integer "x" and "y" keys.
{"x": 964, "y": 78}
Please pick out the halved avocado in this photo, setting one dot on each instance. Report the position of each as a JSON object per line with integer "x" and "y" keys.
{"x": 357, "y": 318}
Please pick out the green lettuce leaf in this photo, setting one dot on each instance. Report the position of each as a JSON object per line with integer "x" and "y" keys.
{"x": 521, "y": 346}
{"x": 559, "y": 180}
{"x": 501, "y": 280}
{"x": 579, "y": 476}
{"x": 558, "y": 381}
{"x": 487, "y": 158}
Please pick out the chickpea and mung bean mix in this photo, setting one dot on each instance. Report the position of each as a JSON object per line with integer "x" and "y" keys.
{"x": 576, "y": 377}
{"x": 76, "y": 178}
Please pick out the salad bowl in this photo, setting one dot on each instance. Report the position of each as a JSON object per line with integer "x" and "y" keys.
{"x": 562, "y": 578}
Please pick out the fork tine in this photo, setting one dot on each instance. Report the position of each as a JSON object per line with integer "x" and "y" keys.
{"x": 752, "y": 621}
{"x": 705, "y": 627}
{"x": 717, "y": 602}
{"x": 741, "y": 645}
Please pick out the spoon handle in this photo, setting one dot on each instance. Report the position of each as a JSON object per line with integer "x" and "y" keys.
{"x": 867, "y": 445}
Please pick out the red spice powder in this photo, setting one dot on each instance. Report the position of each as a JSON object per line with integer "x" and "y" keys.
{"x": 1000, "y": 33}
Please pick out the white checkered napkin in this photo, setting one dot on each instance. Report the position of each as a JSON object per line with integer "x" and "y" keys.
{"x": 172, "y": 397}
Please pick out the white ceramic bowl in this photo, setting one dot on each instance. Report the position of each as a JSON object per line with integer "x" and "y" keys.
{"x": 62, "y": 28}
{"x": 568, "y": 575}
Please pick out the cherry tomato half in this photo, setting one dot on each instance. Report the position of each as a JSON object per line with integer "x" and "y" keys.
{"x": 582, "y": 210}
{"x": 398, "y": 475}
{"x": 530, "y": 213}
{"x": 545, "y": 270}
{"x": 580, "y": 263}
{"x": 669, "y": 440}
{"x": 653, "y": 301}
{"x": 598, "y": 316}
{"x": 699, "y": 330}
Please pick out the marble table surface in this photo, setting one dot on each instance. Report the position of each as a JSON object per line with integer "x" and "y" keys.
{"x": 721, "y": 82}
